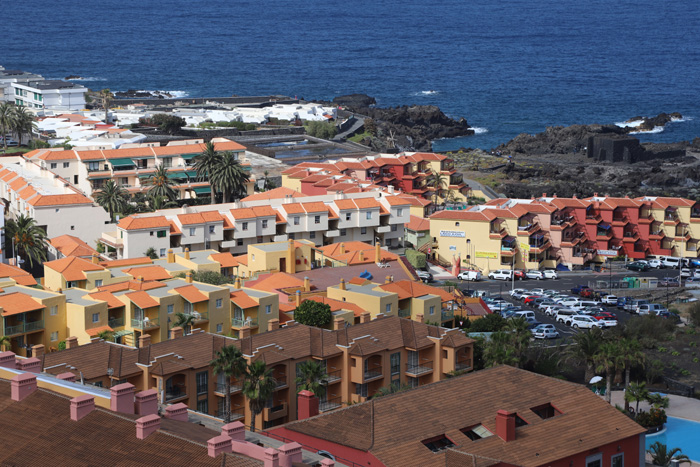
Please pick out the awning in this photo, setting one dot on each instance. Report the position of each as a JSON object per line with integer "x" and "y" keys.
{"x": 177, "y": 175}
{"x": 105, "y": 177}
{"x": 188, "y": 156}
{"x": 124, "y": 162}
{"x": 122, "y": 333}
{"x": 671, "y": 209}
{"x": 202, "y": 190}
{"x": 538, "y": 236}
{"x": 604, "y": 226}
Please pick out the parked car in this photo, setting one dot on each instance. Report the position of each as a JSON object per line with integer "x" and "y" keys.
{"x": 638, "y": 266}
{"x": 528, "y": 315}
{"x": 469, "y": 275}
{"x": 604, "y": 315}
{"x": 582, "y": 321}
{"x": 650, "y": 308}
{"x": 538, "y": 291}
{"x": 528, "y": 300}
{"x": 654, "y": 263}
{"x": 609, "y": 300}
{"x": 607, "y": 322}
{"x": 577, "y": 290}
{"x": 515, "y": 292}
{"x": 671, "y": 262}
{"x": 545, "y": 326}
{"x": 532, "y": 274}
{"x": 425, "y": 276}
{"x": 622, "y": 301}
{"x": 545, "y": 304}
{"x": 550, "y": 274}
{"x": 634, "y": 304}
{"x": 668, "y": 282}
{"x": 672, "y": 316}
{"x": 520, "y": 275}
{"x": 546, "y": 333}
{"x": 564, "y": 314}
{"x": 501, "y": 275}
{"x": 686, "y": 273}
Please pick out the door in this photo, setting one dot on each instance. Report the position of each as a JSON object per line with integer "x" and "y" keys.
{"x": 283, "y": 264}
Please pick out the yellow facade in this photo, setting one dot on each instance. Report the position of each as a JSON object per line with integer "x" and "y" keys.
{"x": 375, "y": 301}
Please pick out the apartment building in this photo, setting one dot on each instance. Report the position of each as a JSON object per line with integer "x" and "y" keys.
{"x": 7, "y": 77}
{"x": 49, "y": 94}
{"x": 69, "y": 245}
{"x": 372, "y": 217}
{"x": 549, "y": 231}
{"x": 502, "y": 416}
{"x": 358, "y": 360}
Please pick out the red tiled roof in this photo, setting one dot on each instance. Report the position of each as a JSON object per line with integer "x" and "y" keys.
{"x": 20, "y": 276}
{"x": 69, "y": 245}
{"x": 243, "y": 300}
{"x": 276, "y": 193}
{"x": 191, "y": 293}
{"x": 95, "y": 331}
{"x": 136, "y": 223}
{"x": 190, "y": 219}
{"x": 73, "y": 268}
{"x": 226, "y": 260}
{"x": 142, "y": 299}
{"x": 105, "y": 296}
{"x": 418, "y": 224}
{"x": 148, "y": 273}
{"x": 17, "y": 302}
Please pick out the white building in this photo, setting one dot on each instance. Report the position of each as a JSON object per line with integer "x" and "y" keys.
{"x": 49, "y": 94}
{"x": 375, "y": 216}
{"x": 7, "y": 77}
{"x": 84, "y": 132}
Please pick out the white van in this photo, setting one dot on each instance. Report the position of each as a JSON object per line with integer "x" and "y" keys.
{"x": 670, "y": 262}
{"x": 528, "y": 315}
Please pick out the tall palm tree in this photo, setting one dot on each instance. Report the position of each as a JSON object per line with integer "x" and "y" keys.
{"x": 159, "y": 202}
{"x": 183, "y": 321}
{"x": 161, "y": 185}
{"x": 112, "y": 197}
{"x": 229, "y": 361}
{"x": 583, "y": 350}
{"x": 437, "y": 181}
{"x": 29, "y": 239}
{"x": 630, "y": 355}
{"x": 5, "y": 343}
{"x": 607, "y": 360}
{"x": 636, "y": 392}
{"x": 7, "y": 116}
{"x": 23, "y": 122}
{"x": 499, "y": 351}
{"x": 661, "y": 456}
{"x": 258, "y": 387}
{"x": 519, "y": 336}
{"x": 229, "y": 176}
{"x": 311, "y": 375}
{"x": 205, "y": 164}
{"x": 106, "y": 95}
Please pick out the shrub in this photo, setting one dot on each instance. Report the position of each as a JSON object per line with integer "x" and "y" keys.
{"x": 322, "y": 130}
{"x": 675, "y": 353}
{"x": 696, "y": 360}
{"x": 655, "y": 417}
{"x": 416, "y": 258}
{"x": 62, "y": 345}
{"x": 167, "y": 123}
{"x": 649, "y": 326}
{"x": 654, "y": 371}
{"x": 208, "y": 277}
{"x": 489, "y": 323}
{"x": 662, "y": 349}
{"x": 313, "y": 313}
{"x": 38, "y": 144}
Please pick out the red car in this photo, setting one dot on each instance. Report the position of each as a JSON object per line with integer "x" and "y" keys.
{"x": 530, "y": 299}
{"x": 519, "y": 275}
{"x": 605, "y": 315}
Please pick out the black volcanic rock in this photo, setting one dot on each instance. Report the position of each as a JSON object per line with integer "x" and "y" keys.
{"x": 355, "y": 100}
{"x": 557, "y": 139}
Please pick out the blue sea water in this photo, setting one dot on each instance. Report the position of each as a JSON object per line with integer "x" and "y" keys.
{"x": 507, "y": 67}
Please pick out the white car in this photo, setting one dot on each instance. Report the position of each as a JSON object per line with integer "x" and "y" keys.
{"x": 608, "y": 323}
{"x": 516, "y": 291}
{"x": 582, "y": 321}
{"x": 686, "y": 273}
{"x": 534, "y": 275}
{"x": 501, "y": 275}
{"x": 609, "y": 300}
{"x": 538, "y": 291}
{"x": 546, "y": 333}
{"x": 568, "y": 302}
{"x": 550, "y": 274}
{"x": 469, "y": 275}
{"x": 654, "y": 263}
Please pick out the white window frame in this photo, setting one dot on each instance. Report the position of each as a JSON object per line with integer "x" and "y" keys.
{"x": 594, "y": 458}
{"x": 95, "y": 318}
{"x": 369, "y": 215}
{"x": 193, "y": 231}
{"x": 54, "y": 310}
{"x": 431, "y": 311}
{"x": 268, "y": 309}
{"x": 264, "y": 223}
{"x": 54, "y": 336}
{"x": 219, "y": 327}
{"x": 296, "y": 220}
{"x": 171, "y": 309}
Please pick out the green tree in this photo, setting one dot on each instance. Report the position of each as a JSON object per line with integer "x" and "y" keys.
{"x": 208, "y": 277}
{"x": 607, "y": 360}
{"x": 258, "y": 387}
{"x": 370, "y": 126}
{"x": 636, "y": 392}
{"x": 228, "y": 361}
{"x": 229, "y": 176}
{"x": 112, "y": 197}
{"x": 393, "y": 388}
{"x": 183, "y": 321}
{"x": 498, "y": 351}
{"x": 324, "y": 130}
{"x": 490, "y": 323}
{"x": 29, "y": 239}
{"x": 439, "y": 182}
{"x": 583, "y": 350}
{"x": 161, "y": 185}
{"x": 168, "y": 123}
{"x": 106, "y": 96}
{"x": 662, "y": 456}
{"x": 205, "y": 164}
{"x": 7, "y": 116}
{"x": 106, "y": 335}
{"x": 151, "y": 253}
{"x": 630, "y": 355}
{"x": 159, "y": 202}
{"x": 311, "y": 374}
{"x": 5, "y": 343}
{"x": 22, "y": 122}
{"x": 313, "y": 313}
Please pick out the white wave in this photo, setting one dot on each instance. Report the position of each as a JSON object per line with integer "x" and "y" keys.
{"x": 154, "y": 93}
{"x": 88, "y": 78}
{"x": 681, "y": 120}
{"x": 656, "y": 129}
{"x": 633, "y": 123}
{"x": 429, "y": 93}
{"x": 479, "y": 130}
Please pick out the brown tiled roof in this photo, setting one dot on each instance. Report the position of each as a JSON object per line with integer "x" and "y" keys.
{"x": 162, "y": 368}
{"x": 380, "y": 425}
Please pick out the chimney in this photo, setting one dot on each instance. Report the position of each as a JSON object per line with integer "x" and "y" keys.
{"x": 22, "y": 385}
{"x": 338, "y": 323}
{"x": 387, "y": 280}
{"x": 271, "y": 458}
{"x": 122, "y": 398}
{"x": 71, "y": 342}
{"x": 176, "y": 332}
{"x": 327, "y": 463}
{"x": 219, "y": 445}
{"x": 145, "y": 426}
{"x": 307, "y": 405}
{"x": 342, "y": 248}
{"x": 595, "y": 194}
{"x": 291, "y": 263}
{"x": 81, "y": 406}
{"x": 171, "y": 256}
{"x": 177, "y": 412}
{"x": 144, "y": 340}
{"x": 361, "y": 256}
{"x": 505, "y": 425}
{"x": 377, "y": 253}
{"x": 139, "y": 279}
{"x": 419, "y": 318}
{"x": 342, "y": 284}
{"x": 298, "y": 297}
{"x": 187, "y": 253}
{"x": 273, "y": 324}
{"x": 544, "y": 195}
{"x": 554, "y": 195}
{"x": 237, "y": 282}
{"x": 95, "y": 259}
{"x": 147, "y": 402}
{"x": 391, "y": 189}
{"x": 365, "y": 317}
{"x": 67, "y": 376}
{"x": 307, "y": 284}
{"x": 32, "y": 365}
{"x": 8, "y": 360}
{"x": 188, "y": 277}
{"x": 234, "y": 431}
{"x": 291, "y": 451}
{"x": 244, "y": 332}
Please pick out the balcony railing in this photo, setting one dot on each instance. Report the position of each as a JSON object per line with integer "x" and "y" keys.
{"x": 174, "y": 392}
{"x": 463, "y": 364}
{"x": 330, "y": 404}
{"x": 234, "y": 388}
{"x": 115, "y": 322}
{"x": 280, "y": 381}
{"x": 144, "y": 323}
{"x": 333, "y": 376}
{"x": 240, "y": 323}
{"x": 422, "y": 368}
{"x": 24, "y": 327}
{"x": 203, "y": 316}
{"x": 236, "y": 414}
{"x": 373, "y": 373}
{"x": 404, "y": 313}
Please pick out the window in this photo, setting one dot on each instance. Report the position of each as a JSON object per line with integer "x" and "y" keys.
{"x": 239, "y": 242}
{"x": 57, "y": 209}
{"x": 399, "y": 212}
{"x": 596, "y": 460}
{"x": 296, "y": 220}
{"x": 617, "y": 460}
{"x": 388, "y": 308}
{"x": 476, "y": 432}
{"x": 162, "y": 252}
{"x": 167, "y": 162}
{"x": 219, "y": 327}
{"x": 395, "y": 360}
{"x": 363, "y": 230}
{"x": 438, "y": 443}
{"x": 244, "y": 226}
{"x": 202, "y": 382}
{"x": 170, "y": 309}
{"x": 161, "y": 234}
{"x": 98, "y": 283}
{"x": 456, "y": 224}
{"x": 317, "y": 219}
{"x": 394, "y": 227}
{"x": 219, "y": 303}
{"x": 291, "y": 236}
{"x": 54, "y": 336}
{"x": 66, "y": 165}
{"x": 268, "y": 309}
{"x": 54, "y": 309}
{"x": 151, "y": 233}
{"x": 312, "y": 234}
{"x": 432, "y": 310}
{"x": 193, "y": 230}
{"x": 343, "y": 232}
{"x": 211, "y": 229}
{"x": 264, "y": 223}
{"x": 95, "y": 317}
{"x": 252, "y": 256}
{"x": 546, "y": 411}
{"x": 71, "y": 284}
{"x": 54, "y": 165}
{"x": 369, "y": 215}
{"x": 519, "y": 421}
{"x": 348, "y": 216}
{"x": 361, "y": 390}
{"x": 72, "y": 227}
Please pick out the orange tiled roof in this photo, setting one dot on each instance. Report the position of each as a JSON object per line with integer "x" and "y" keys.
{"x": 59, "y": 200}
{"x": 51, "y": 155}
{"x": 243, "y": 300}
{"x": 345, "y": 204}
{"x": 27, "y": 192}
{"x": 126, "y": 262}
{"x": 90, "y": 155}
{"x": 276, "y": 281}
{"x": 128, "y": 152}
{"x": 418, "y": 224}
{"x": 106, "y": 296}
{"x": 226, "y": 260}
{"x": 191, "y": 293}
{"x": 364, "y": 203}
{"x": 151, "y": 222}
{"x": 142, "y": 299}
{"x": 485, "y": 215}
{"x": 277, "y": 193}
{"x": 130, "y": 285}
{"x": 264, "y": 211}
{"x": 95, "y": 331}
{"x": 174, "y": 229}
{"x": 212, "y": 216}
{"x": 18, "y": 184}
{"x": 190, "y": 219}
{"x": 293, "y": 208}
{"x": 73, "y": 268}
{"x": 397, "y": 201}
{"x": 243, "y": 213}
{"x": 17, "y": 302}
{"x": 337, "y": 305}
{"x": 314, "y": 207}
{"x": 69, "y": 245}
{"x": 148, "y": 273}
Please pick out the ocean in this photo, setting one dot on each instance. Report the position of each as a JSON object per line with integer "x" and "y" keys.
{"x": 508, "y": 67}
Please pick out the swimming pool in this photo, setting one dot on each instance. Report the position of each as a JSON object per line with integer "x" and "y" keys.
{"x": 679, "y": 433}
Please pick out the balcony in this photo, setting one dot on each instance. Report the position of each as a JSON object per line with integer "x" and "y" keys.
{"x": 280, "y": 238}
{"x": 672, "y": 219}
{"x": 528, "y": 229}
{"x": 174, "y": 393}
{"x": 112, "y": 239}
{"x": 242, "y": 323}
{"x": 372, "y": 372}
{"x": 330, "y": 404}
{"x": 420, "y": 369}
{"x": 384, "y": 229}
{"x": 115, "y": 322}
{"x": 280, "y": 382}
{"x": 332, "y": 233}
{"x": 236, "y": 413}
{"x": 497, "y": 233}
{"x": 508, "y": 251}
{"x": 233, "y": 389}
{"x": 333, "y": 376}
{"x": 593, "y": 218}
{"x": 447, "y": 315}
{"x": 463, "y": 364}
{"x": 404, "y": 313}
{"x": 630, "y": 237}
{"x": 144, "y": 324}
{"x": 24, "y": 327}
{"x": 199, "y": 316}
{"x": 275, "y": 413}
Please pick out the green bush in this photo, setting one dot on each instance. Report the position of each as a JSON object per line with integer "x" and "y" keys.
{"x": 654, "y": 370}
{"x": 651, "y": 327}
{"x": 322, "y": 130}
{"x": 655, "y": 417}
{"x": 62, "y": 345}
{"x": 489, "y": 323}
{"x": 416, "y": 258}
{"x": 675, "y": 353}
{"x": 313, "y": 313}
{"x": 208, "y": 277}
{"x": 38, "y": 144}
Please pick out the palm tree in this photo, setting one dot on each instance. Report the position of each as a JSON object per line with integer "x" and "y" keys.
{"x": 159, "y": 202}
{"x": 258, "y": 387}
{"x": 5, "y": 343}
{"x": 106, "y": 95}
{"x": 311, "y": 375}
{"x": 661, "y": 456}
{"x": 23, "y": 122}
{"x": 28, "y": 238}
{"x": 151, "y": 253}
{"x": 499, "y": 351}
{"x": 229, "y": 361}
{"x": 636, "y": 392}
{"x": 205, "y": 164}
{"x": 106, "y": 335}
{"x": 7, "y": 116}
{"x": 630, "y": 355}
{"x": 161, "y": 184}
{"x": 607, "y": 360}
{"x": 437, "y": 181}
{"x": 229, "y": 176}
{"x": 112, "y": 197}
{"x": 183, "y": 321}
{"x": 583, "y": 350}
{"x": 519, "y": 336}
